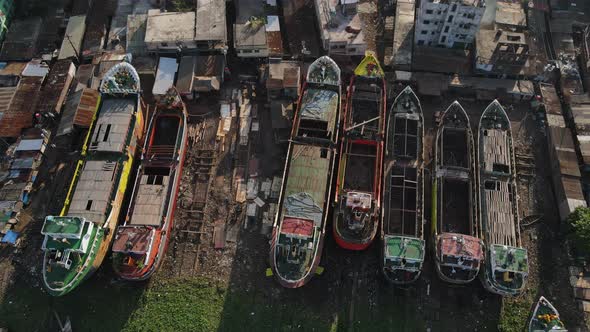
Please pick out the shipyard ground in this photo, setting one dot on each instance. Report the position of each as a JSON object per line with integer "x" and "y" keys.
{"x": 201, "y": 288}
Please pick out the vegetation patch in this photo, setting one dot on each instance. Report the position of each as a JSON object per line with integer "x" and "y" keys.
{"x": 515, "y": 314}
{"x": 579, "y": 231}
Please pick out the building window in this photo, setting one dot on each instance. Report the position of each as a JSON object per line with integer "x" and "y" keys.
{"x": 352, "y": 50}
{"x": 423, "y": 32}
{"x": 433, "y": 32}
{"x": 426, "y": 22}
{"x": 454, "y": 8}
{"x": 429, "y": 11}
{"x": 420, "y": 42}
{"x": 450, "y": 19}
{"x": 429, "y": 43}
{"x": 443, "y": 39}
{"x": 447, "y": 28}
{"x": 164, "y": 44}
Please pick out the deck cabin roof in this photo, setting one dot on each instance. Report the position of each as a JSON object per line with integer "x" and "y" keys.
{"x": 307, "y": 183}
{"x": 320, "y": 105}
{"x": 133, "y": 239}
{"x": 112, "y": 125}
{"x": 149, "y": 200}
{"x": 93, "y": 191}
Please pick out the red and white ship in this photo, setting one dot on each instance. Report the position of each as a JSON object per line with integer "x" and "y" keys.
{"x": 140, "y": 243}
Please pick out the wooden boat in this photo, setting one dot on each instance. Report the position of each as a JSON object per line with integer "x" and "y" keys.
{"x": 140, "y": 243}
{"x": 455, "y": 229}
{"x": 545, "y": 318}
{"x": 402, "y": 220}
{"x": 506, "y": 266}
{"x": 305, "y": 198}
{"x": 358, "y": 185}
{"x": 77, "y": 240}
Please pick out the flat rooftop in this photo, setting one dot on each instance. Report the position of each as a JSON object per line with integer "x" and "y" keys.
{"x": 164, "y": 27}
{"x": 337, "y": 32}
{"x": 403, "y": 35}
{"x": 245, "y": 33}
{"x": 211, "y": 23}
{"x": 510, "y": 13}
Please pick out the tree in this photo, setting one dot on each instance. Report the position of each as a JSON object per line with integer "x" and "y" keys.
{"x": 579, "y": 223}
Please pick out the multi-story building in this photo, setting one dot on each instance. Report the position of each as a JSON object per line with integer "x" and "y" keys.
{"x": 448, "y": 23}
{"x": 6, "y": 11}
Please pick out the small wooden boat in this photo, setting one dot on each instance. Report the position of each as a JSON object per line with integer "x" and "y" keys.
{"x": 402, "y": 225}
{"x": 545, "y": 318}
{"x": 140, "y": 243}
{"x": 455, "y": 229}
{"x": 304, "y": 201}
{"x": 506, "y": 266}
{"x": 358, "y": 185}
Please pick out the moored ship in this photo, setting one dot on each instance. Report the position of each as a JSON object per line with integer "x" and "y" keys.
{"x": 77, "y": 240}
{"x": 304, "y": 201}
{"x": 358, "y": 185}
{"x": 506, "y": 266}
{"x": 402, "y": 220}
{"x": 455, "y": 229}
{"x": 140, "y": 243}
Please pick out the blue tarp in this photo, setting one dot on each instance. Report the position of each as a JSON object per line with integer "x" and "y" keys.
{"x": 10, "y": 237}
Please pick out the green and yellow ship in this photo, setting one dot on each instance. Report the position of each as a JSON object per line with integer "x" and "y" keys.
{"x": 77, "y": 241}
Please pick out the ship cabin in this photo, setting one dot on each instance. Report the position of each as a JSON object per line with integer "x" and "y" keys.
{"x": 509, "y": 269}
{"x": 67, "y": 241}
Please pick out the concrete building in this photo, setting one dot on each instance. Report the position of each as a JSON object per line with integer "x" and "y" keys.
{"x": 448, "y": 23}
{"x": 340, "y": 26}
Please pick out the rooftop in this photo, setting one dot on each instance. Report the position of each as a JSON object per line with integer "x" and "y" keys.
{"x": 21, "y": 40}
{"x": 136, "y": 30}
{"x": 19, "y": 115}
{"x": 510, "y": 13}
{"x": 341, "y": 28}
{"x": 72, "y": 43}
{"x": 166, "y": 27}
{"x": 403, "y": 33}
{"x": 247, "y": 32}
{"x": 211, "y": 24}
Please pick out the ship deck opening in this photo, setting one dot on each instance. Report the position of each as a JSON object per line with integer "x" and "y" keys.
{"x": 454, "y": 212}
{"x": 400, "y": 202}
{"x": 360, "y": 167}
{"x": 455, "y": 151}
{"x": 405, "y": 139}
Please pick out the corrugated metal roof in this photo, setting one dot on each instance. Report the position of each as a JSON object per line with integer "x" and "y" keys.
{"x": 79, "y": 110}
{"x": 30, "y": 144}
{"x": 20, "y": 113}
{"x": 72, "y": 43}
{"x": 55, "y": 90}
{"x": 186, "y": 70}
{"x": 165, "y": 75}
